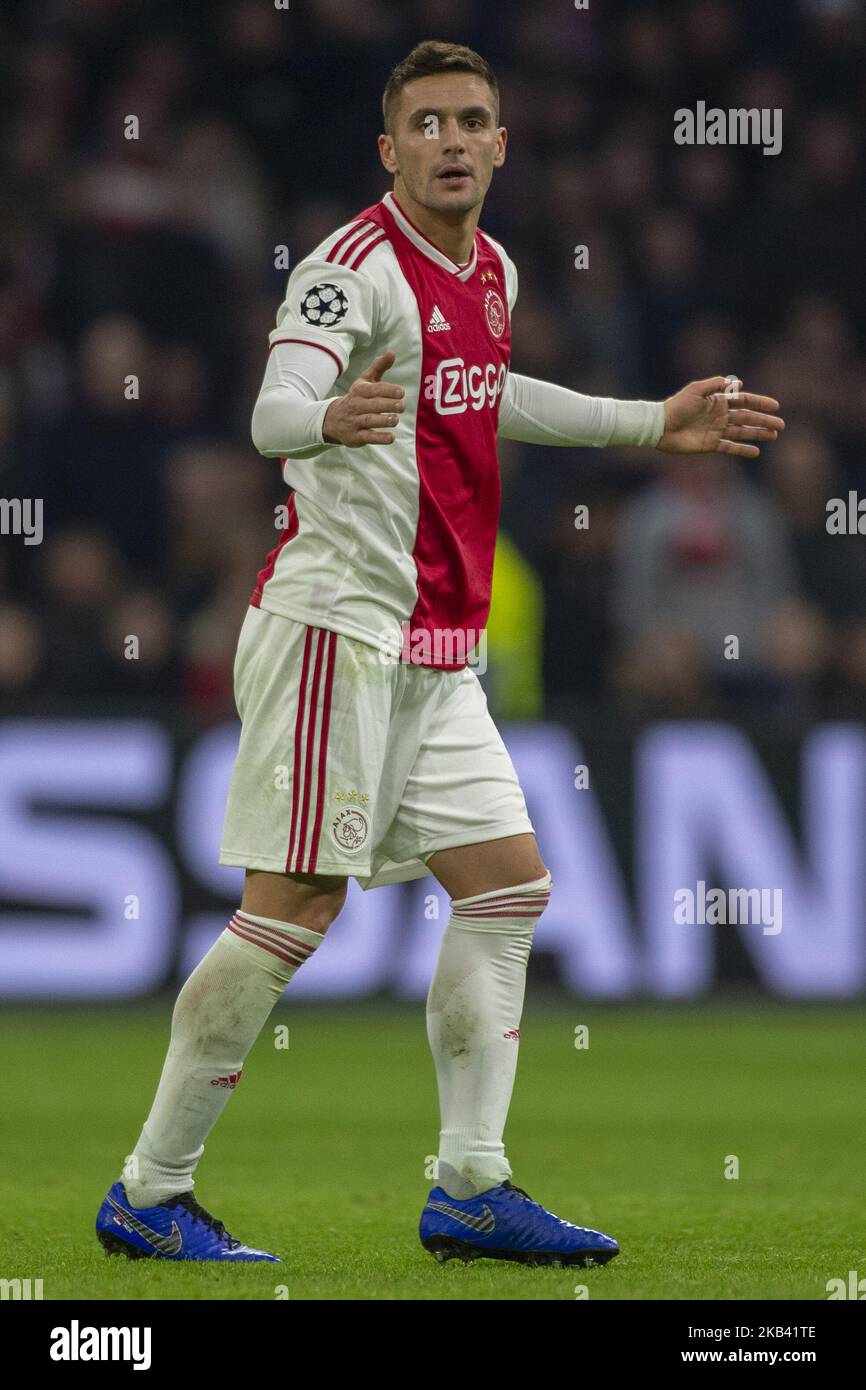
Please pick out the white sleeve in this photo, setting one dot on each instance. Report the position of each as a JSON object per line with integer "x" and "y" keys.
{"x": 327, "y": 312}
{"x": 291, "y": 405}
{"x": 538, "y": 412}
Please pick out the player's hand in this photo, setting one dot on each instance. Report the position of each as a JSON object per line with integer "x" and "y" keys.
{"x": 701, "y": 419}
{"x": 369, "y": 407}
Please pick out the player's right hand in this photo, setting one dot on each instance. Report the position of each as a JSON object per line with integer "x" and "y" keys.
{"x": 369, "y": 407}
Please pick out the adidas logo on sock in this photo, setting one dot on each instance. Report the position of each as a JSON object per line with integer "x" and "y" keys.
{"x": 437, "y": 323}
{"x": 231, "y": 1080}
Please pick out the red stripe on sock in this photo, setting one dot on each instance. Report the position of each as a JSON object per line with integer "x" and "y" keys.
{"x": 489, "y": 916}
{"x": 264, "y": 945}
{"x": 273, "y": 933}
{"x": 518, "y": 903}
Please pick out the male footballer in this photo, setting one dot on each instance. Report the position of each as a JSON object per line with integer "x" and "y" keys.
{"x": 387, "y": 383}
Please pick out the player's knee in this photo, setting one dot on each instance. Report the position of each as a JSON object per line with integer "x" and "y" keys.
{"x": 320, "y": 900}
{"x": 536, "y": 884}
{"x": 307, "y": 900}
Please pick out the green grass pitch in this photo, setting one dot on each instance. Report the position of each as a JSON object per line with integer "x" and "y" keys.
{"x": 320, "y": 1153}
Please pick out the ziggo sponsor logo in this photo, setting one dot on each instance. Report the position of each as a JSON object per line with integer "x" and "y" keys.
{"x": 454, "y": 387}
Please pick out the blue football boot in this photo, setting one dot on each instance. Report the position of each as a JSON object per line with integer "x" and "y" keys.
{"x": 176, "y": 1229}
{"x": 505, "y": 1224}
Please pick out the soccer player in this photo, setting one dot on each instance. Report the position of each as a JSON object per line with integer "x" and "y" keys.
{"x": 387, "y": 383}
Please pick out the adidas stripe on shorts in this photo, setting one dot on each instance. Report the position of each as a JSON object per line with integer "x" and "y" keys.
{"x": 351, "y": 765}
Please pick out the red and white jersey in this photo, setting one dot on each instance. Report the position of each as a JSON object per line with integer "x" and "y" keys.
{"x": 389, "y": 543}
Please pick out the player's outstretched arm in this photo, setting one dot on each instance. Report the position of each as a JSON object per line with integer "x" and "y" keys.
{"x": 368, "y": 409}
{"x": 539, "y": 412}
{"x": 702, "y": 419}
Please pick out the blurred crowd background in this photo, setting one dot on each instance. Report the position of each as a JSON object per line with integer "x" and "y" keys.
{"x": 154, "y": 257}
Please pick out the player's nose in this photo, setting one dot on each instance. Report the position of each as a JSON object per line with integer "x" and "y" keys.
{"x": 451, "y": 135}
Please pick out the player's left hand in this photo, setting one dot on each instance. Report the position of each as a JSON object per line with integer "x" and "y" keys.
{"x": 702, "y": 419}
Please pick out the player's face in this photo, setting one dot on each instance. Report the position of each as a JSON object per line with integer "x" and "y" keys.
{"x": 445, "y": 142}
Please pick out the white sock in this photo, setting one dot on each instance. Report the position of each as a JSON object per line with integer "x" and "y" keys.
{"x": 473, "y": 1024}
{"x": 218, "y": 1015}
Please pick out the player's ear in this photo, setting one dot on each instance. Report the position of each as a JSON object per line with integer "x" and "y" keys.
{"x": 499, "y": 157}
{"x": 387, "y": 155}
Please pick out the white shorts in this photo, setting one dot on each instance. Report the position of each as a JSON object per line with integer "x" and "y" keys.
{"x": 352, "y": 765}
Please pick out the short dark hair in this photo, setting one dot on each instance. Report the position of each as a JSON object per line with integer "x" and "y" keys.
{"x": 429, "y": 58}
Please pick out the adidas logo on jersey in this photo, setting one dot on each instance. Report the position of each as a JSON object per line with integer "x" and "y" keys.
{"x": 437, "y": 323}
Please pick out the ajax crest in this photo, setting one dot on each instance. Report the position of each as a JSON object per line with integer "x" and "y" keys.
{"x": 350, "y": 828}
{"x": 494, "y": 310}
